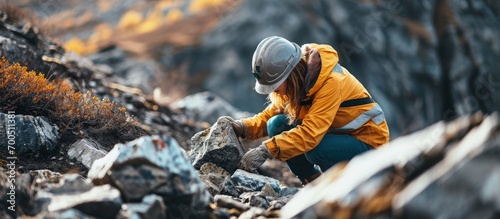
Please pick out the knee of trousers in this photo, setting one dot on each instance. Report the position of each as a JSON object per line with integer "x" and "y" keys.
{"x": 276, "y": 125}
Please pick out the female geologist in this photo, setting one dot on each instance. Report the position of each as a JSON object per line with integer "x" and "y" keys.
{"x": 319, "y": 113}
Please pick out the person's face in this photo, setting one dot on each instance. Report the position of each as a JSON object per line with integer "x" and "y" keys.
{"x": 281, "y": 89}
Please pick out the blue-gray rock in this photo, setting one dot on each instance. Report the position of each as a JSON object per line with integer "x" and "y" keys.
{"x": 218, "y": 145}
{"x": 27, "y": 134}
{"x": 153, "y": 165}
{"x": 254, "y": 181}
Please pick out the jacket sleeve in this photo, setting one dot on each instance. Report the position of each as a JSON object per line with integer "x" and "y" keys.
{"x": 315, "y": 124}
{"x": 257, "y": 125}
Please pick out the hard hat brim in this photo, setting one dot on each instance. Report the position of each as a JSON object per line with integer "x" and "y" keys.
{"x": 267, "y": 89}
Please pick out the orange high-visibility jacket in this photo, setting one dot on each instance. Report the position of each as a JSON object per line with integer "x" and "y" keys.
{"x": 334, "y": 85}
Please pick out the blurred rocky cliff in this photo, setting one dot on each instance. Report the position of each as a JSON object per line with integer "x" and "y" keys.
{"x": 423, "y": 61}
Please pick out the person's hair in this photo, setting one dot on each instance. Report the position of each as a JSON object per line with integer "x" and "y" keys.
{"x": 290, "y": 102}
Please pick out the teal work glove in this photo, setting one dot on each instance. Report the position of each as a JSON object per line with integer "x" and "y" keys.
{"x": 255, "y": 158}
{"x": 239, "y": 127}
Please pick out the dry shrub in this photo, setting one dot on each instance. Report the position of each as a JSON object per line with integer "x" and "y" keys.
{"x": 29, "y": 93}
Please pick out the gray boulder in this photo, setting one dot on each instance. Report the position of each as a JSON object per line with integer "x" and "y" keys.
{"x": 27, "y": 134}
{"x": 153, "y": 165}
{"x": 218, "y": 145}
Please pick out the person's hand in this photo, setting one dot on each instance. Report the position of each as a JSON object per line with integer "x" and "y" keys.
{"x": 255, "y": 158}
{"x": 239, "y": 126}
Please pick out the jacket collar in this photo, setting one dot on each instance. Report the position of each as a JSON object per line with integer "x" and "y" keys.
{"x": 320, "y": 61}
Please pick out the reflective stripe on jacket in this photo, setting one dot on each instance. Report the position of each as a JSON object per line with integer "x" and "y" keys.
{"x": 334, "y": 85}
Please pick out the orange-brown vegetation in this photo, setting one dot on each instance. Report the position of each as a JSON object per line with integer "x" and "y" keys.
{"x": 29, "y": 93}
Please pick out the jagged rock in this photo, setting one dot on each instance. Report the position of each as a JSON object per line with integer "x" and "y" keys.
{"x": 153, "y": 165}
{"x": 444, "y": 171}
{"x": 75, "y": 192}
{"x": 86, "y": 151}
{"x": 27, "y": 134}
{"x": 207, "y": 107}
{"x": 254, "y": 181}
{"x": 152, "y": 206}
{"x": 218, "y": 145}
